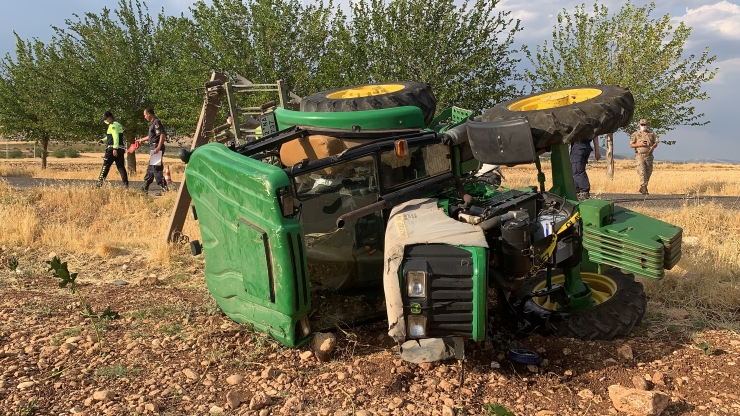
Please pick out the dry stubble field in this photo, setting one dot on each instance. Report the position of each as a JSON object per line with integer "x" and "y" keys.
{"x": 173, "y": 353}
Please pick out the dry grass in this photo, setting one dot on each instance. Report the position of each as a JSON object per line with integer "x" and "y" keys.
{"x": 668, "y": 178}
{"x": 103, "y": 223}
{"x": 706, "y": 282}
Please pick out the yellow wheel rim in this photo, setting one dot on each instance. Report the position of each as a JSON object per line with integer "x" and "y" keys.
{"x": 602, "y": 289}
{"x": 365, "y": 91}
{"x": 555, "y": 99}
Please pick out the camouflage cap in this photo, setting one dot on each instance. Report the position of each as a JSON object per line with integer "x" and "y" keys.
{"x": 643, "y": 122}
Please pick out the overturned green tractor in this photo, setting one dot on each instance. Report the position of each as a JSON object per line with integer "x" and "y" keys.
{"x": 371, "y": 193}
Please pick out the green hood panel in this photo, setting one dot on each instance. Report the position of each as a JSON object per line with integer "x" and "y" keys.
{"x": 255, "y": 265}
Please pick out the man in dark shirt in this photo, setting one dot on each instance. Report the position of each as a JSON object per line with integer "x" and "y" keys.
{"x": 156, "y": 139}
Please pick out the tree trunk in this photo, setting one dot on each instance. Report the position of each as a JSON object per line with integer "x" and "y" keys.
{"x": 44, "y": 151}
{"x": 610, "y": 156}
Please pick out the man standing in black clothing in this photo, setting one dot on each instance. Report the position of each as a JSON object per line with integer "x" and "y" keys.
{"x": 156, "y": 139}
{"x": 115, "y": 150}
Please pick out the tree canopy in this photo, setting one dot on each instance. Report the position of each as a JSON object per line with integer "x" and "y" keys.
{"x": 127, "y": 59}
{"x": 632, "y": 49}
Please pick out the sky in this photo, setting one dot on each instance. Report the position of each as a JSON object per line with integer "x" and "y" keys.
{"x": 715, "y": 24}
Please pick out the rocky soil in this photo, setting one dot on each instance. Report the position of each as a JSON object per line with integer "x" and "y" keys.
{"x": 173, "y": 353}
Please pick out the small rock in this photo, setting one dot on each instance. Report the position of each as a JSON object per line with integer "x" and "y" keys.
{"x": 268, "y": 373}
{"x": 568, "y": 373}
{"x": 305, "y": 355}
{"x": 426, "y": 366}
{"x": 566, "y": 351}
{"x": 234, "y": 398}
{"x": 73, "y": 340}
{"x": 447, "y": 411}
{"x": 532, "y": 368}
{"x": 610, "y": 361}
{"x": 67, "y": 348}
{"x": 264, "y": 412}
{"x": 25, "y": 385}
{"x": 586, "y": 394}
{"x": 191, "y": 374}
{"x": 495, "y": 365}
{"x": 446, "y": 386}
{"x": 690, "y": 241}
{"x": 396, "y": 403}
{"x": 625, "y": 352}
{"x": 235, "y": 379}
{"x": 259, "y": 401}
{"x": 151, "y": 407}
{"x": 104, "y": 395}
{"x": 341, "y": 376}
{"x": 638, "y": 402}
{"x": 640, "y": 383}
{"x": 545, "y": 413}
{"x": 121, "y": 282}
{"x": 292, "y": 406}
{"x": 658, "y": 378}
{"x": 323, "y": 345}
{"x": 215, "y": 410}
{"x": 363, "y": 413}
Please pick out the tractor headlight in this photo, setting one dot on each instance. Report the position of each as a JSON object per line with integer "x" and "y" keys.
{"x": 416, "y": 284}
{"x": 417, "y": 325}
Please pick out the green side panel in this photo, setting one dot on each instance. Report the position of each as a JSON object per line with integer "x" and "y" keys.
{"x": 480, "y": 285}
{"x": 398, "y": 118}
{"x": 255, "y": 263}
{"x": 455, "y": 114}
{"x": 618, "y": 237}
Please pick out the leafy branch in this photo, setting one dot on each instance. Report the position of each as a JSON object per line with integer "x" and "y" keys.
{"x": 69, "y": 280}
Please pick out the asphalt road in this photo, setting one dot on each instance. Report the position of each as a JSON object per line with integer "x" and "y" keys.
{"x": 627, "y": 200}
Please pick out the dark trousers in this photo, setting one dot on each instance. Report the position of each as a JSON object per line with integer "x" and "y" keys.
{"x": 154, "y": 173}
{"x": 579, "y": 153}
{"x": 108, "y": 160}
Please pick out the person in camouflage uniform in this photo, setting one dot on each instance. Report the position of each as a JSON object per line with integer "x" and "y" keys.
{"x": 644, "y": 141}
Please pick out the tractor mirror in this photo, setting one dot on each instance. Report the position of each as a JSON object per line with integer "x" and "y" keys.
{"x": 506, "y": 143}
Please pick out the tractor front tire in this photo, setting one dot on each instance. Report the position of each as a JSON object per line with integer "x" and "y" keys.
{"x": 569, "y": 115}
{"x": 615, "y": 315}
{"x": 374, "y": 97}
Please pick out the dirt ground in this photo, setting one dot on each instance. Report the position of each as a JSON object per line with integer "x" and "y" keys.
{"x": 172, "y": 352}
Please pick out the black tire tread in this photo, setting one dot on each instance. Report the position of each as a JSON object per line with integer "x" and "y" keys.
{"x": 615, "y": 317}
{"x": 579, "y": 122}
{"x": 415, "y": 94}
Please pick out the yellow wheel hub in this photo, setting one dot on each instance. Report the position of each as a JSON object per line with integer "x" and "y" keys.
{"x": 555, "y": 99}
{"x": 602, "y": 289}
{"x": 365, "y": 91}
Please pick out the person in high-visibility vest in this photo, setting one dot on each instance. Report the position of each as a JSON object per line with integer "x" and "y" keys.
{"x": 115, "y": 150}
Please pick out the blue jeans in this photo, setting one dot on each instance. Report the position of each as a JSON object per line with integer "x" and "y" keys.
{"x": 579, "y": 153}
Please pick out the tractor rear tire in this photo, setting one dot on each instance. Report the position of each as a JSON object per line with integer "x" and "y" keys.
{"x": 374, "y": 97}
{"x": 554, "y": 120}
{"x": 614, "y": 317}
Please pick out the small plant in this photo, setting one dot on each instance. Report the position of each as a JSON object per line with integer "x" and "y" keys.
{"x": 71, "y": 153}
{"x": 496, "y": 409}
{"x": 170, "y": 329}
{"x": 67, "y": 279}
{"x": 59, "y": 153}
{"x": 13, "y": 154}
{"x": 119, "y": 370}
{"x": 28, "y": 409}
{"x": 705, "y": 347}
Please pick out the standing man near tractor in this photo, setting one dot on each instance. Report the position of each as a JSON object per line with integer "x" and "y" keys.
{"x": 156, "y": 140}
{"x": 115, "y": 150}
{"x": 579, "y": 153}
{"x": 644, "y": 141}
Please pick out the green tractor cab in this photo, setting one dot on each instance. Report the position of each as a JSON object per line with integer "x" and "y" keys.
{"x": 365, "y": 192}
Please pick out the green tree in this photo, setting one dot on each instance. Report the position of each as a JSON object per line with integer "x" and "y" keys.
{"x": 632, "y": 49}
{"x": 462, "y": 50}
{"x": 29, "y": 95}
